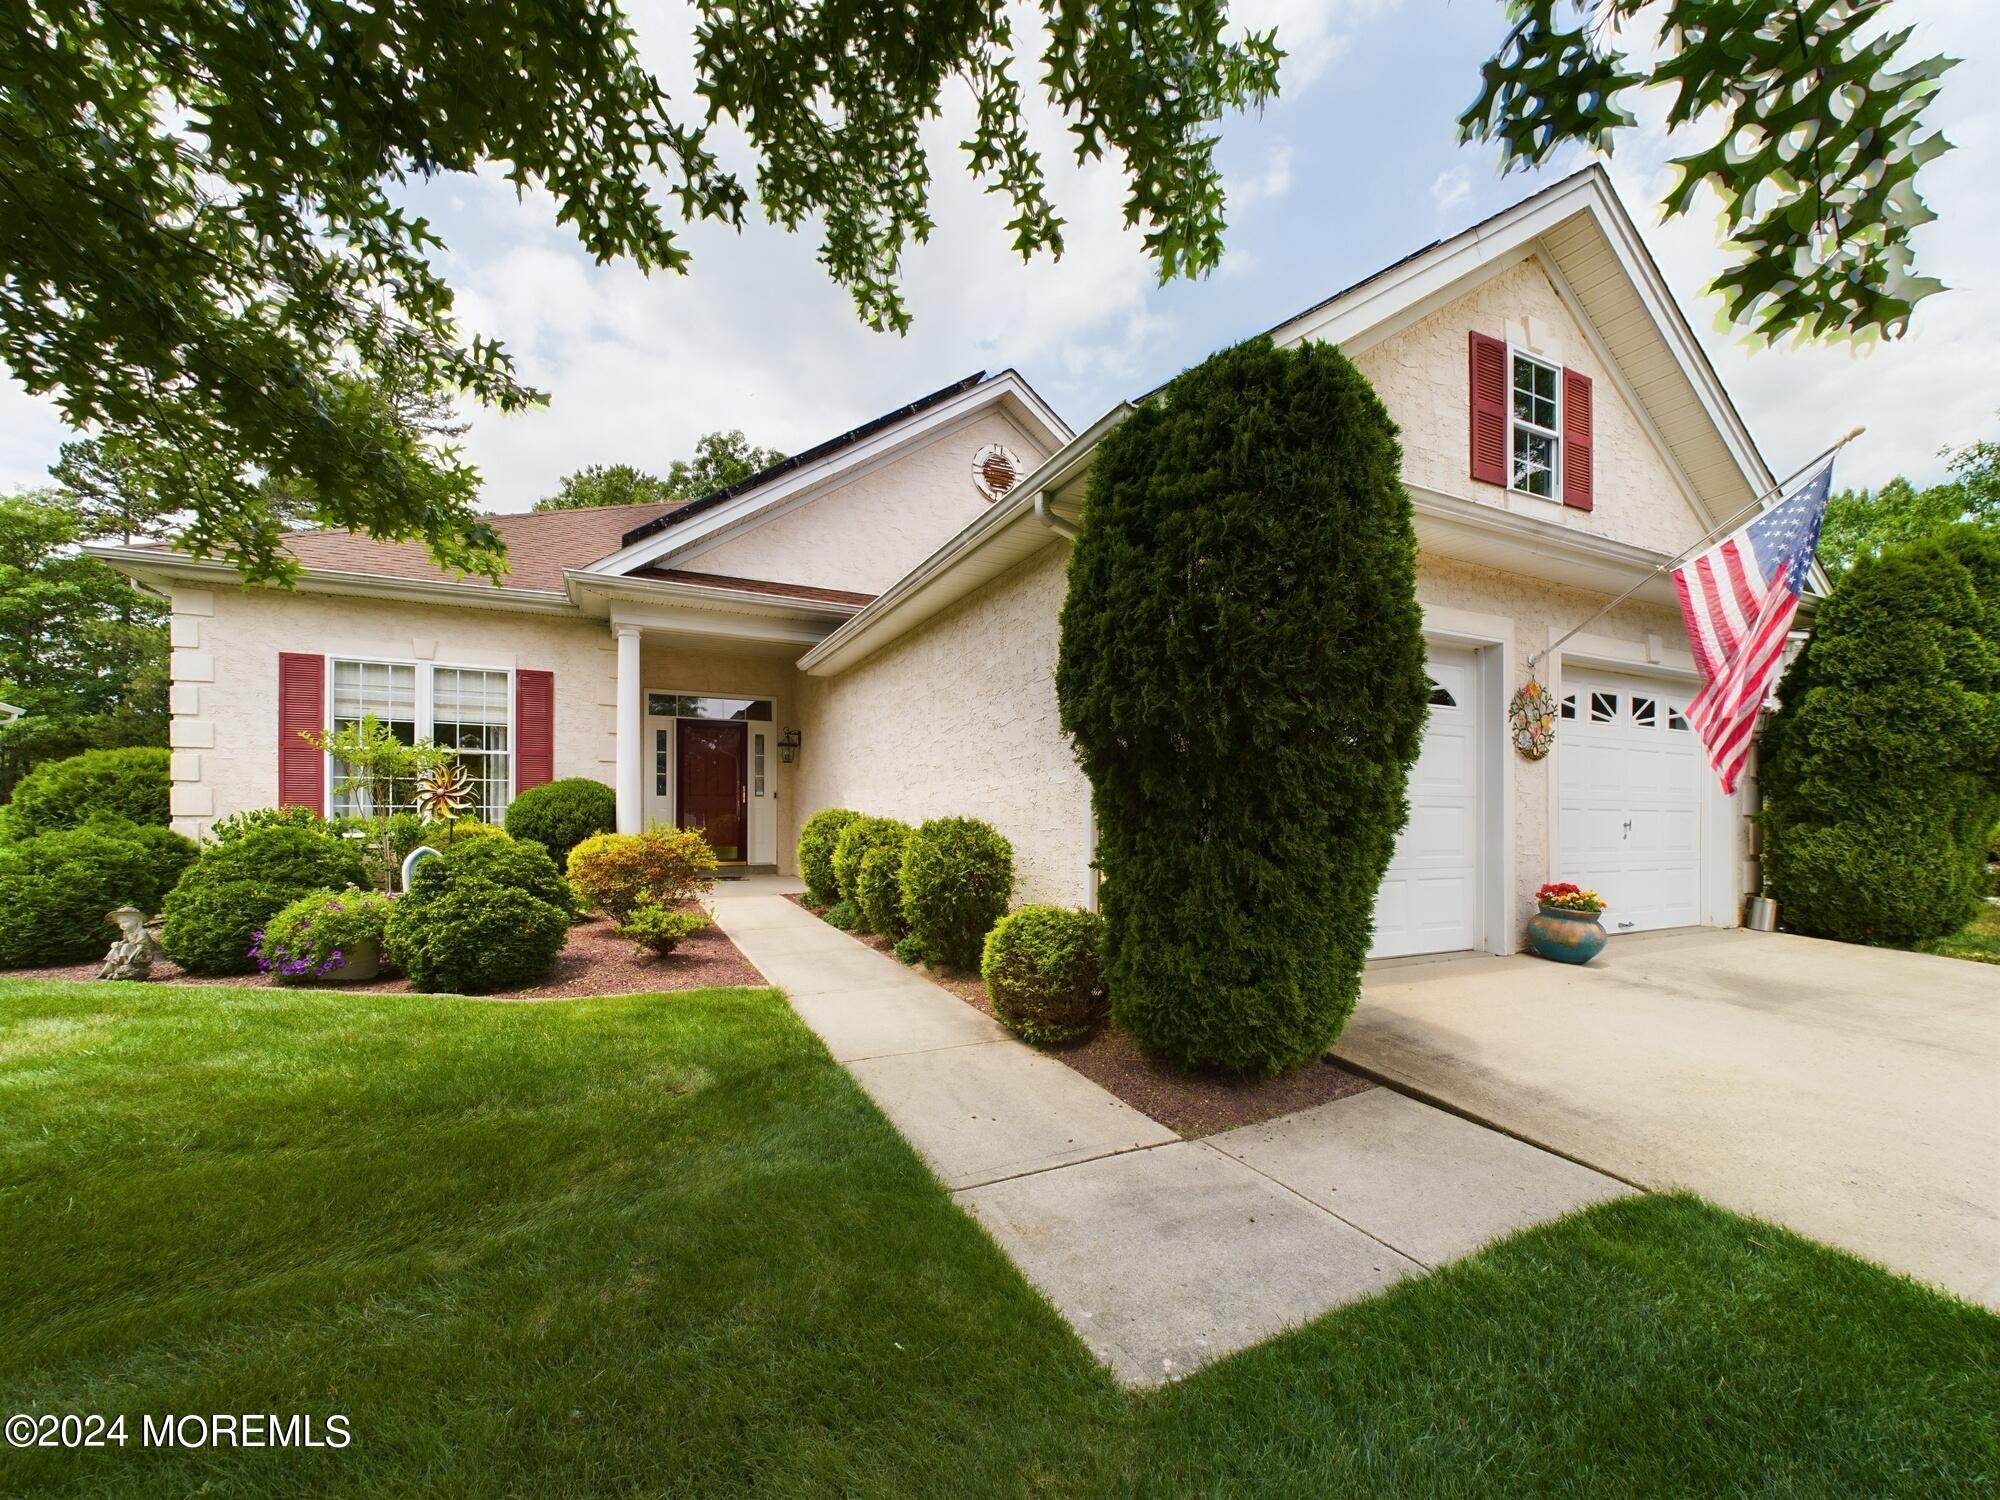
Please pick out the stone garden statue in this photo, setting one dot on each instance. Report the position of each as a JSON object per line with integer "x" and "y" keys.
{"x": 131, "y": 957}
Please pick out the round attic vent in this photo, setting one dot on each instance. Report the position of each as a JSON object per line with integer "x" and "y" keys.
{"x": 995, "y": 470}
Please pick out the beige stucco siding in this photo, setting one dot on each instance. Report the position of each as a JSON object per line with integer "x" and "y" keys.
{"x": 1421, "y": 374}
{"x": 226, "y": 642}
{"x": 959, "y": 717}
{"x": 879, "y": 523}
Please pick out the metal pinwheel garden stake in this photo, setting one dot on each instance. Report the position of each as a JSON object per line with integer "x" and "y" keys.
{"x": 443, "y": 793}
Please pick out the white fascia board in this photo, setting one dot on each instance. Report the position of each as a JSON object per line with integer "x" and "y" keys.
{"x": 891, "y": 441}
{"x": 1524, "y": 545}
{"x": 608, "y": 598}
{"x": 157, "y": 569}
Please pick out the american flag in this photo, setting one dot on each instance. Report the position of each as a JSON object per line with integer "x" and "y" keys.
{"x": 1738, "y": 599}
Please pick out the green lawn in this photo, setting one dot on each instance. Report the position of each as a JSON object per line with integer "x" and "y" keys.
{"x": 664, "y": 1245}
{"x": 1979, "y": 939}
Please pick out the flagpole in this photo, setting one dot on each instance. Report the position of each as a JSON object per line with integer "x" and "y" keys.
{"x": 1671, "y": 563}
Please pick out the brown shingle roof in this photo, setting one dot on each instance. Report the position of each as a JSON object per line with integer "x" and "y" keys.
{"x": 756, "y": 586}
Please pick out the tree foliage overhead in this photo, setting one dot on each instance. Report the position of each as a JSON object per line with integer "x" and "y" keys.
{"x": 1817, "y": 133}
{"x": 720, "y": 459}
{"x": 1860, "y": 523}
{"x": 206, "y": 257}
{"x": 1242, "y": 672}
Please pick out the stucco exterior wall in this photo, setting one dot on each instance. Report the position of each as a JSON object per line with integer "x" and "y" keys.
{"x": 959, "y": 717}
{"x": 224, "y": 730}
{"x": 879, "y": 523}
{"x": 1422, "y": 377}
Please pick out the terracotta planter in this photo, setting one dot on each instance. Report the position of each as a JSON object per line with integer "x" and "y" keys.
{"x": 1568, "y": 937}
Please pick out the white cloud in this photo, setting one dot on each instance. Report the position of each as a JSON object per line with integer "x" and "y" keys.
{"x": 1312, "y": 32}
{"x": 1273, "y": 179}
{"x": 1451, "y": 190}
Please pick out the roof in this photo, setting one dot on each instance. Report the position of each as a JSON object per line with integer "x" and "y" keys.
{"x": 755, "y": 586}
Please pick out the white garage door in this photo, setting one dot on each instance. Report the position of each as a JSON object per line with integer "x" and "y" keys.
{"x": 1429, "y": 900}
{"x": 1631, "y": 772}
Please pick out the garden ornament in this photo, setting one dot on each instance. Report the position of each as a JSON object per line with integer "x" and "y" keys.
{"x": 1531, "y": 720}
{"x": 131, "y": 957}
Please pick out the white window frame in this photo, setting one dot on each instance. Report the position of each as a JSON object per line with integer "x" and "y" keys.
{"x": 426, "y": 716}
{"x": 1554, "y": 496}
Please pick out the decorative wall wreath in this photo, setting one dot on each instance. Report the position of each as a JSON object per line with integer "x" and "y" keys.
{"x": 1531, "y": 720}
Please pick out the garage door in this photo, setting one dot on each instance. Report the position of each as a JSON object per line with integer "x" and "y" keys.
{"x": 1631, "y": 772}
{"x": 1429, "y": 900}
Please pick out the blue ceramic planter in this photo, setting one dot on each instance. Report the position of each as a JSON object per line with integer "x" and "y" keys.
{"x": 1568, "y": 937}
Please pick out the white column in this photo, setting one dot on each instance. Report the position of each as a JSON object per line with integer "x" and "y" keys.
{"x": 631, "y": 717}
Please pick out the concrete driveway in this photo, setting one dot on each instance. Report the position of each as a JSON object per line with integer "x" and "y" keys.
{"x": 1851, "y": 1094}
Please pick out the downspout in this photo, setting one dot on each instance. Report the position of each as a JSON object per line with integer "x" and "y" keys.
{"x": 1045, "y": 513}
{"x": 1047, "y": 516}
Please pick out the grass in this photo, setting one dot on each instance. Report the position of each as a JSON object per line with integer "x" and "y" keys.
{"x": 1978, "y": 940}
{"x": 662, "y": 1245}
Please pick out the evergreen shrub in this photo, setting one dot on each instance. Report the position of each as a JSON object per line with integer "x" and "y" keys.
{"x": 559, "y": 815}
{"x": 817, "y": 839}
{"x": 857, "y": 840}
{"x": 233, "y": 890}
{"x": 1043, "y": 971}
{"x": 1241, "y": 670}
{"x": 471, "y": 923}
{"x": 878, "y": 885}
{"x": 57, "y": 889}
{"x": 131, "y": 784}
{"x": 957, "y": 878}
{"x": 614, "y": 870}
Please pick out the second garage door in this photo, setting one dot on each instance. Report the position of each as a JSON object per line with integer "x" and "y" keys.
{"x": 1631, "y": 769}
{"x": 1429, "y": 899}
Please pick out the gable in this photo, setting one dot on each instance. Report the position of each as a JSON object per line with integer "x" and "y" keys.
{"x": 876, "y": 523}
{"x": 1420, "y": 371}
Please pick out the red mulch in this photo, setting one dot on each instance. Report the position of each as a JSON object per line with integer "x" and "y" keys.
{"x": 1189, "y": 1104}
{"x": 595, "y": 961}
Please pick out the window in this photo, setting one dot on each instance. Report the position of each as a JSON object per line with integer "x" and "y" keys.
{"x": 1569, "y": 705}
{"x": 693, "y": 706}
{"x": 466, "y": 710}
{"x": 757, "y": 765}
{"x": 1645, "y": 713}
{"x": 1675, "y": 718}
{"x": 1603, "y": 707}
{"x": 1441, "y": 696}
{"x": 1536, "y": 424}
{"x": 659, "y": 762}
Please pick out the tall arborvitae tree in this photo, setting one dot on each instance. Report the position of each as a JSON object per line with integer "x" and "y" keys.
{"x": 1881, "y": 772}
{"x": 1242, "y": 670}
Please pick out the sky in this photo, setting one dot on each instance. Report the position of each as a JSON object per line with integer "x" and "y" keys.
{"x": 1355, "y": 165}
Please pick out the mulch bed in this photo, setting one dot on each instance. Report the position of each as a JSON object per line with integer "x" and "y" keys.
{"x": 595, "y": 961}
{"x": 1189, "y": 1104}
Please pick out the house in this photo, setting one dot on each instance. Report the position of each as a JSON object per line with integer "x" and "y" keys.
{"x": 9, "y": 713}
{"x": 873, "y": 622}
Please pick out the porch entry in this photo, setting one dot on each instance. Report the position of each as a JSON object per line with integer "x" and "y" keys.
{"x": 711, "y": 770}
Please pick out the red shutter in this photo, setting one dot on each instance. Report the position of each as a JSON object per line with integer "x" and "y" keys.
{"x": 1488, "y": 364}
{"x": 534, "y": 729}
{"x": 1576, "y": 420}
{"x": 301, "y": 708}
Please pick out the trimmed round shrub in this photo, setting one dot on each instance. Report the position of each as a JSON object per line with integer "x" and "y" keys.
{"x": 658, "y": 929}
{"x": 517, "y": 863}
{"x": 1044, "y": 973}
{"x": 130, "y": 784}
{"x": 313, "y": 940}
{"x": 458, "y": 931}
{"x": 613, "y": 870}
{"x": 957, "y": 878}
{"x": 878, "y": 885}
{"x": 57, "y": 889}
{"x": 559, "y": 815}
{"x": 226, "y": 830}
{"x": 1241, "y": 671}
{"x": 234, "y": 889}
{"x": 1881, "y": 772}
{"x": 856, "y": 840}
{"x": 818, "y": 837}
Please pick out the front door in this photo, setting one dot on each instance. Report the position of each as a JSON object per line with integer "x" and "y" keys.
{"x": 713, "y": 795}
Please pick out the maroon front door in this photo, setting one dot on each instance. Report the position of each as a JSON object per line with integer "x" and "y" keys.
{"x": 712, "y": 785}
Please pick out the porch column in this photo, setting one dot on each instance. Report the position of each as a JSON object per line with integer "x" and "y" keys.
{"x": 631, "y": 721}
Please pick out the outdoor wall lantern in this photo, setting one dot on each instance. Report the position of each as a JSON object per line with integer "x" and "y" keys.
{"x": 788, "y": 746}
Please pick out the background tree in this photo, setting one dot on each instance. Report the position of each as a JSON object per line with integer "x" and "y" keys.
{"x": 1860, "y": 523}
{"x": 81, "y": 649}
{"x": 206, "y": 258}
{"x": 1242, "y": 671}
{"x": 720, "y": 459}
{"x": 1881, "y": 772}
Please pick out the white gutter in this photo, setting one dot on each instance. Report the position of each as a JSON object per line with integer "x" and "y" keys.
{"x": 707, "y": 596}
{"x": 138, "y": 563}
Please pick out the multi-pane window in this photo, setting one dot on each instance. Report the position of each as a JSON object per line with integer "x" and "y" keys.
{"x": 465, "y": 710}
{"x": 757, "y": 765}
{"x": 469, "y": 718}
{"x": 1536, "y": 427}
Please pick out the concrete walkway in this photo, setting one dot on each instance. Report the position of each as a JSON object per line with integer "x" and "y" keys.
{"x": 1162, "y": 1253}
{"x": 1851, "y": 1094}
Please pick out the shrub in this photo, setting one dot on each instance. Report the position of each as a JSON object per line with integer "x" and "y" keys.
{"x": 817, "y": 840}
{"x": 857, "y": 840}
{"x": 1044, "y": 974}
{"x": 12, "y": 827}
{"x": 878, "y": 887}
{"x": 129, "y": 784}
{"x": 957, "y": 877}
{"x": 1881, "y": 772}
{"x": 842, "y": 915}
{"x": 614, "y": 870}
{"x": 458, "y": 931}
{"x": 514, "y": 863}
{"x": 559, "y": 815}
{"x": 658, "y": 929}
{"x": 909, "y": 950}
{"x": 234, "y": 889}
{"x": 57, "y": 889}
{"x": 316, "y": 936}
{"x": 226, "y": 830}
{"x": 1241, "y": 671}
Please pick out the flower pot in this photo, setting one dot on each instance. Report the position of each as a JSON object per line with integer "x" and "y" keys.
{"x": 363, "y": 963}
{"x": 1568, "y": 937}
